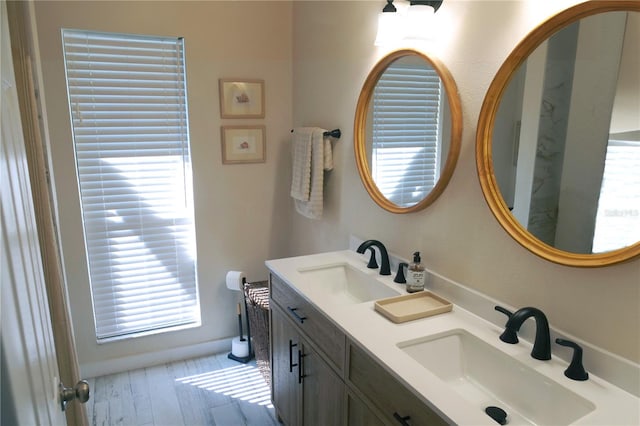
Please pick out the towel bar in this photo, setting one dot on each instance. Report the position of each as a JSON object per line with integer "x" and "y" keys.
{"x": 335, "y": 133}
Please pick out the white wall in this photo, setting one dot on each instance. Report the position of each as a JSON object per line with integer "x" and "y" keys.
{"x": 315, "y": 56}
{"x": 626, "y": 111}
{"x": 238, "y": 218}
{"x": 457, "y": 235}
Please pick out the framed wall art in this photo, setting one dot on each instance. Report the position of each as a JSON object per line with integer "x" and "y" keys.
{"x": 241, "y": 98}
{"x": 243, "y": 144}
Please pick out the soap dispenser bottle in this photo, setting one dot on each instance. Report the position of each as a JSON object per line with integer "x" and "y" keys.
{"x": 415, "y": 275}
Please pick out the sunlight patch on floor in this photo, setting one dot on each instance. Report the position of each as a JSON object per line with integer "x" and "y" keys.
{"x": 243, "y": 382}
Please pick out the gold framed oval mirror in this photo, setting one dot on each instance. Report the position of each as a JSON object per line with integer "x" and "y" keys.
{"x": 558, "y": 138}
{"x": 407, "y": 131}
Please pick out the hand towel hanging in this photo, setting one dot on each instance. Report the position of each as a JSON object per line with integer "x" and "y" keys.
{"x": 321, "y": 160}
{"x": 301, "y": 173}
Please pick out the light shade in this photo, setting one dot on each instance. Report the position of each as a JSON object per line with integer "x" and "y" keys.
{"x": 390, "y": 28}
{"x": 419, "y": 20}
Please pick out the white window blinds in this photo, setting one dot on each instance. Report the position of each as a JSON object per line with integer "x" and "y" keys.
{"x": 127, "y": 97}
{"x": 618, "y": 215}
{"x": 406, "y": 117}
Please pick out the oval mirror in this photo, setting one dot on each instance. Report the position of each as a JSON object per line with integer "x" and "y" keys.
{"x": 558, "y": 141}
{"x": 408, "y": 126}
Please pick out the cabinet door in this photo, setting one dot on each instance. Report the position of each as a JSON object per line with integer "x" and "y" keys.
{"x": 395, "y": 402}
{"x": 323, "y": 392}
{"x": 359, "y": 414}
{"x": 286, "y": 394}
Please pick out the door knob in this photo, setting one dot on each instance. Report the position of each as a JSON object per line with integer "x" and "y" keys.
{"x": 80, "y": 391}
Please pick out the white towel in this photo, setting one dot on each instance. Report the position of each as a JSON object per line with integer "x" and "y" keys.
{"x": 301, "y": 173}
{"x": 328, "y": 153}
{"x": 321, "y": 160}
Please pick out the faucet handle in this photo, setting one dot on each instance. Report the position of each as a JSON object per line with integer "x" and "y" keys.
{"x": 372, "y": 260}
{"x": 508, "y": 335}
{"x": 400, "y": 274}
{"x": 507, "y": 312}
{"x": 576, "y": 370}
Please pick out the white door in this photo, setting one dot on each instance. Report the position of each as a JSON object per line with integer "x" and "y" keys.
{"x": 28, "y": 358}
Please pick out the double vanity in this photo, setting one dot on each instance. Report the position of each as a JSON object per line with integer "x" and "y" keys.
{"x": 335, "y": 360}
{"x": 338, "y": 361}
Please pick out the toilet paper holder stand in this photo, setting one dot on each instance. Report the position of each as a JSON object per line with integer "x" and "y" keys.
{"x": 249, "y": 357}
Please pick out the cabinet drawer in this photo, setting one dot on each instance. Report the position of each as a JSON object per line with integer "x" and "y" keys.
{"x": 391, "y": 397}
{"x": 322, "y": 332}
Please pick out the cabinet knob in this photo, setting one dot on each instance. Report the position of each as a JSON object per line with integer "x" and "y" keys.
{"x": 403, "y": 420}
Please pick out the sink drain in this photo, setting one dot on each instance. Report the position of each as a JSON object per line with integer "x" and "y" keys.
{"x": 497, "y": 414}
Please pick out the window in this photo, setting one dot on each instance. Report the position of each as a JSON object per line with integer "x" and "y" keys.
{"x": 618, "y": 215}
{"x": 127, "y": 99}
{"x": 406, "y": 121}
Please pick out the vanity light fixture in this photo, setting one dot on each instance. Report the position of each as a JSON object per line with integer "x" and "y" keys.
{"x": 435, "y": 4}
{"x": 390, "y": 28}
{"x": 419, "y": 19}
{"x": 410, "y": 23}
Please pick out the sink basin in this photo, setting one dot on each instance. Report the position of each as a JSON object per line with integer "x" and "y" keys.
{"x": 486, "y": 377}
{"x": 341, "y": 283}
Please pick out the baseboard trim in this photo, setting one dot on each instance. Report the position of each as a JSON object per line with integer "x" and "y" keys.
{"x": 119, "y": 365}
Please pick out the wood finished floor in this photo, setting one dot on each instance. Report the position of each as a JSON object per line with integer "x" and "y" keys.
{"x": 212, "y": 390}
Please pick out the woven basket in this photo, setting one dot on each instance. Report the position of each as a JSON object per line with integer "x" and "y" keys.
{"x": 257, "y": 297}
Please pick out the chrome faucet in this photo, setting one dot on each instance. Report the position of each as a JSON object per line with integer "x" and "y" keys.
{"x": 385, "y": 269}
{"x": 542, "y": 344}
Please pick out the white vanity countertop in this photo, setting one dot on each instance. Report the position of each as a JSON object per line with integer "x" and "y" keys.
{"x": 380, "y": 337}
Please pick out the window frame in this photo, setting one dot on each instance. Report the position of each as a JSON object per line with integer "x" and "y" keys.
{"x": 134, "y": 132}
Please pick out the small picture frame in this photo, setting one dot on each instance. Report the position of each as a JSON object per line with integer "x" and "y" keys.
{"x": 241, "y": 98}
{"x": 243, "y": 144}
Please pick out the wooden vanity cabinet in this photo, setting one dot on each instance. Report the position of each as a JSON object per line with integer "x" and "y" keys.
{"x": 318, "y": 377}
{"x": 311, "y": 322}
{"x": 306, "y": 390}
{"x": 359, "y": 414}
{"x": 397, "y": 404}
{"x": 285, "y": 389}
